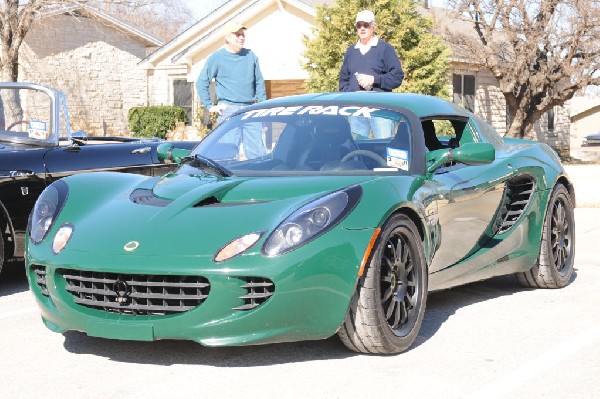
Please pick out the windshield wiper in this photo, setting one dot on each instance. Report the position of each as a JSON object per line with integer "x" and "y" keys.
{"x": 209, "y": 164}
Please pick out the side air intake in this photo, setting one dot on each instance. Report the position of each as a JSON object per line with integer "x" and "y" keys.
{"x": 517, "y": 196}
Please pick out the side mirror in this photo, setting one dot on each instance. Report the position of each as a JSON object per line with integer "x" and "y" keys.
{"x": 78, "y": 137}
{"x": 468, "y": 154}
{"x": 167, "y": 153}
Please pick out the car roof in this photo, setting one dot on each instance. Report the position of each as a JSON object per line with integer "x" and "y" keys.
{"x": 422, "y": 105}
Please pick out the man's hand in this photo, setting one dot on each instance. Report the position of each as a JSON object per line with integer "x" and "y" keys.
{"x": 365, "y": 81}
{"x": 217, "y": 108}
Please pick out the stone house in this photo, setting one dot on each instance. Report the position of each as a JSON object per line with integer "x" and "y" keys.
{"x": 93, "y": 58}
{"x": 275, "y": 31}
{"x": 585, "y": 120}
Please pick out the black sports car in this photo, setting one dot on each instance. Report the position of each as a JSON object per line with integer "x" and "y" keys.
{"x": 37, "y": 148}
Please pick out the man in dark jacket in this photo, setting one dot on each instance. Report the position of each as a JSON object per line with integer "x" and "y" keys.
{"x": 370, "y": 64}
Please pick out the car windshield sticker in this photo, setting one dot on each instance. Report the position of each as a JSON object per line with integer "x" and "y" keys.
{"x": 37, "y": 130}
{"x": 397, "y": 158}
{"x": 312, "y": 110}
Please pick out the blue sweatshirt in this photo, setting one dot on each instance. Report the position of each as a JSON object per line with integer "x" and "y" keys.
{"x": 238, "y": 78}
{"x": 380, "y": 61}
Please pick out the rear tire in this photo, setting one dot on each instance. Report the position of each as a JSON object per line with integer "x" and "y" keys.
{"x": 388, "y": 305}
{"x": 554, "y": 266}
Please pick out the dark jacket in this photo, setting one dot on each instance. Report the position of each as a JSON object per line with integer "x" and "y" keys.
{"x": 380, "y": 61}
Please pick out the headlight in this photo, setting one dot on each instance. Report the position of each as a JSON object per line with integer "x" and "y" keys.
{"x": 312, "y": 220}
{"x": 46, "y": 209}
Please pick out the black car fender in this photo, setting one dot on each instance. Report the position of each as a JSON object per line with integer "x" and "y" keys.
{"x": 6, "y": 225}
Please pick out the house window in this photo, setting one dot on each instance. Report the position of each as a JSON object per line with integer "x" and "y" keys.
{"x": 551, "y": 120}
{"x": 510, "y": 115}
{"x": 182, "y": 96}
{"x": 463, "y": 90}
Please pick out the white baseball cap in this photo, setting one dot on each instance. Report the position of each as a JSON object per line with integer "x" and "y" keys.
{"x": 365, "y": 16}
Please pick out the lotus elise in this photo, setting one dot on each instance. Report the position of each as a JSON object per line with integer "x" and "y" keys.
{"x": 353, "y": 208}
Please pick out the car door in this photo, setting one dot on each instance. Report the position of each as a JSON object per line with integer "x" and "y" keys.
{"x": 133, "y": 157}
{"x": 468, "y": 199}
{"x": 467, "y": 202}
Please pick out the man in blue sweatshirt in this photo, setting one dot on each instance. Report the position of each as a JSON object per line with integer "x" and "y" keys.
{"x": 370, "y": 64}
{"x": 239, "y": 82}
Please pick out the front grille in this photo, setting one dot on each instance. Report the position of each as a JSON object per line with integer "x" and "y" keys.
{"x": 258, "y": 291}
{"x": 136, "y": 294}
{"x": 40, "y": 278}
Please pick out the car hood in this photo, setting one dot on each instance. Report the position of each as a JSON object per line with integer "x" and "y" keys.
{"x": 245, "y": 189}
{"x": 186, "y": 215}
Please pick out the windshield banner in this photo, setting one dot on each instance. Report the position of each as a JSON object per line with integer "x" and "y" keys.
{"x": 311, "y": 110}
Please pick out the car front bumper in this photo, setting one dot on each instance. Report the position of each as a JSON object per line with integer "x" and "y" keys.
{"x": 311, "y": 292}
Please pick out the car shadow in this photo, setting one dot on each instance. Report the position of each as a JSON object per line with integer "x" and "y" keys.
{"x": 13, "y": 279}
{"x": 441, "y": 306}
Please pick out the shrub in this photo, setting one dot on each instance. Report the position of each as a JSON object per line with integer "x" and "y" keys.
{"x": 155, "y": 121}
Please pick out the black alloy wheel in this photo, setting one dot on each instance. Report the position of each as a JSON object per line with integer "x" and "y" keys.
{"x": 554, "y": 266}
{"x": 387, "y": 308}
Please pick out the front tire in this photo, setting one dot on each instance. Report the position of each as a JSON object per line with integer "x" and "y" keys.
{"x": 554, "y": 266}
{"x": 388, "y": 305}
{"x": 2, "y": 257}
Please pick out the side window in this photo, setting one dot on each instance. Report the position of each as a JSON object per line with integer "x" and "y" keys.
{"x": 487, "y": 132}
{"x": 445, "y": 133}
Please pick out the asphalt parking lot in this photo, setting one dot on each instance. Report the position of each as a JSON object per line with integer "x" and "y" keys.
{"x": 492, "y": 339}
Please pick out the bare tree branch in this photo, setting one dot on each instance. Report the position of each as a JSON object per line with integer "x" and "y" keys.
{"x": 16, "y": 20}
{"x": 541, "y": 52}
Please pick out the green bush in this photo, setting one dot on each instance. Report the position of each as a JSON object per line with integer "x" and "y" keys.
{"x": 155, "y": 121}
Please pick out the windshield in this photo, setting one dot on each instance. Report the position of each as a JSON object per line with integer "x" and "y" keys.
{"x": 26, "y": 116}
{"x": 311, "y": 140}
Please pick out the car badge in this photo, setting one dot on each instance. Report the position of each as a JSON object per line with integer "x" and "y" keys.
{"x": 122, "y": 291}
{"x": 131, "y": 246}
{"x": 24, "y": 190}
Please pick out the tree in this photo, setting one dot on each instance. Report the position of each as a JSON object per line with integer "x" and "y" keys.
{"x": 16, "y": 20}
{"x": 541, "y": 52}
{"x": 423, "y": 56}
{"x": 163, "y": 18}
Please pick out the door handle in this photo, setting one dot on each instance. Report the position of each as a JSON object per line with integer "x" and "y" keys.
{"x": 143, "y": 150}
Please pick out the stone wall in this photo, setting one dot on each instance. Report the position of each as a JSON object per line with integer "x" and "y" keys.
{"x": 93, "y": 63}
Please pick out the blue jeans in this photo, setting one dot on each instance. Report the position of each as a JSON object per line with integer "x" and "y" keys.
{"x": 249, "y": 134}
{"x": 382, "y": 128}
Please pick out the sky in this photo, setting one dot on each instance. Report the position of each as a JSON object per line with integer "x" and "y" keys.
{"x": 202, "y": 7}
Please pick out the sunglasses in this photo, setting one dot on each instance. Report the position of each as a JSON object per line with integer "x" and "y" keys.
{"x": 365, "y": 25}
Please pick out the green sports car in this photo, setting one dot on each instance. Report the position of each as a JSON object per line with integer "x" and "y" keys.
{"x": 299, "y": 218}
